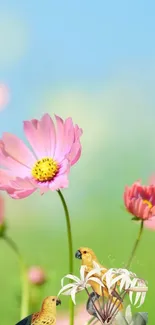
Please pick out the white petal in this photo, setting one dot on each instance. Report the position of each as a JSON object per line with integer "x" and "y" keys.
{"x": 133, "y": 282}
{"x": 131, "y": 296}
{"x": 73, "y": 295}
{"x": 67, "y": 293}
{"x": 142, "y": 299}
{"x": 72, "y": 277}
{"x": 138, "y": 294}
{"x": 82, "y": 272}
{"x": 67, "y": 286}
{"x": 92, "y": 272}
{"x": 69, "y": 276}
{"x": 122, "y": 284}
{"x": 97, "y": 280}
{"x": 128, "y": 283}
{"x": 115, "y": 280}
{"x": 108, "y": 276}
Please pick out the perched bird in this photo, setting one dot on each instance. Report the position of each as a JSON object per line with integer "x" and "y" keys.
{"x": 87, "y": 256}
{"x": 47, "y": 314}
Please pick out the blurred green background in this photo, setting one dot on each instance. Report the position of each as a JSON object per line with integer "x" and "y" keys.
{"x": 95, "y": 62}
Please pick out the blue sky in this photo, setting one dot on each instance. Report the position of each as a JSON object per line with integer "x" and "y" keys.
{"x": 67, "y": 44}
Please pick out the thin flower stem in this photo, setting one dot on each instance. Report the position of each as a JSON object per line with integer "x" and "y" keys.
{"x": 70, "y": 246}
{"x": 91, "y": 320}
{"x": 24, "y": 279}
{"x": 135, "y": 245}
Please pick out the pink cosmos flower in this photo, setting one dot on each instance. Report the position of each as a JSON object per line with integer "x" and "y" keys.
{"x": 139, "y": 200}
{"x": 36, "y": 275}
{"x": 1, "y": 210}
{"x": 55, "y": 150}
{"x": 81, "y": 317}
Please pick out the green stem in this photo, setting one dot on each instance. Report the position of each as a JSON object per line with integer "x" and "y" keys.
{"x": 91, "y": 320}
{"x": 24, "y": 279}
{"x": 135, "y": 245}
{"x": 70, "y": 246}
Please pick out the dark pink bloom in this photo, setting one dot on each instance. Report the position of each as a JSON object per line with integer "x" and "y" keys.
{"x": 139, "y": 200}
{"x": 55, "y": 150}
{"x": 36, "y": 275}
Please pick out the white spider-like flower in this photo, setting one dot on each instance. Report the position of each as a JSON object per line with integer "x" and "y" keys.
{"x": 81, "y": 283}
{"x": 115, "y": 276}
{"x": 126, "y": 281}
{"x": 140, "y": 288}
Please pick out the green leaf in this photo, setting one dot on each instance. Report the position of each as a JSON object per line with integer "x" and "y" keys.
{"x": 135, "y": 219}
{"x": 140, "y": 319}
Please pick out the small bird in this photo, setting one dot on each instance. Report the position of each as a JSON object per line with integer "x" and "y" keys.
{"x": 88, "y": 257}
{"x": 47, "y": 314}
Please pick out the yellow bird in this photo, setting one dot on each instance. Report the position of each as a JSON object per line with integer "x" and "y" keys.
{"x": 87, "y": 257}
{"x": 47, "y": 314}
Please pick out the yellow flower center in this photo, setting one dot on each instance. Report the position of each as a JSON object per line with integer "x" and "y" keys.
{"x": 45, "y": 169}
{"x": 148, "y": 203}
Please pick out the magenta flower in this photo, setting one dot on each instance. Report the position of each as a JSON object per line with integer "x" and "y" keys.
{"x": 55, "y": 150}
{"x": 139, "y": 200}
{"x": 36, "y": 275}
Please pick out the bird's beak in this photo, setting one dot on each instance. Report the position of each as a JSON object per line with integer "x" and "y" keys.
{"x": 58, "y": 302}
{"x": 78, "y": 255}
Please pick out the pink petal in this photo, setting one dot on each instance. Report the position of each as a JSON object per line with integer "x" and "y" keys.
{"x": 150, "y": 223}
{"x": 59, "y": 155}
{"x": 75, "y": 153}
{"x": 59, "y": 182}
{"x": 5, "y": 177}
{"x": 41, "y": 136}
{"x": 18, "y": 150}
{"x": 65, "y": 167}
{"x": 14, "y": 166}
{"x": 33, "y": 134}
{"x": 21, "y": 194}
{"x": 23, "y": 183}
{"x": 48, "y": 134}
{"x": 69, "y": 136}
{"x": 17, "y": 188}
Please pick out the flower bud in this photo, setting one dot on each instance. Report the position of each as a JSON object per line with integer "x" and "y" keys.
{"x": 36, "y": 275}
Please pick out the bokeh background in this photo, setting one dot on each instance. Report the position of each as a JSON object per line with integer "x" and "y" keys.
{"x": 93, "y": 61}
